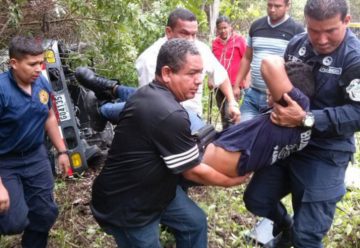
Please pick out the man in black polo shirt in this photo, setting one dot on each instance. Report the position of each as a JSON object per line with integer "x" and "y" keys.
{"x": 138, "y": 186}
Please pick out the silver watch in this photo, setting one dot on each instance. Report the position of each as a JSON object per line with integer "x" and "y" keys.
{"x": 309, "y": 120}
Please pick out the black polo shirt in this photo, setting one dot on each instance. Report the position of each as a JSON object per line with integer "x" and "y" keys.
{"x": 151, "y": 147}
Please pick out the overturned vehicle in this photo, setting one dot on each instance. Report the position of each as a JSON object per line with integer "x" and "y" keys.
{"x": 86, "y": 146}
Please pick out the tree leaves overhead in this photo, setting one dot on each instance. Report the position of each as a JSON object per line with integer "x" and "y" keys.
{"x": 117, "y": 31}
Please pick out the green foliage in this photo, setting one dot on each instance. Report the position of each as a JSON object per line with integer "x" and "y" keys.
{"x": 15, "y": 13}
{"x": 229, "y": 221}
{"x": 242, "y": 13}
{"x": 297, "y": 10}
{"x": 345, "y": 231}
{"x": 116, "y": 32}
{"x": 357, "y": 153}
{"x": 355, "y": 10}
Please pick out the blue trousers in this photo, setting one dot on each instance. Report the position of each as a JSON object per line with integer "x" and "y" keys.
{"x": 253, "y": 104}
{"x": 182, "y": 215}
{"x": 315, "y": 179}
{"x": 30, "y": 184}
{"x": 111, "y": 111}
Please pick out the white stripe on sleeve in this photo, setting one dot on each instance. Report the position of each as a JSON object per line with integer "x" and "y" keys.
{"x": 177, "y": 160}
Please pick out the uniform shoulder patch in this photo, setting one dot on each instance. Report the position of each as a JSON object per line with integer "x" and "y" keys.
{"x": 353, "y": 89}
{"x": 44, "y": 96}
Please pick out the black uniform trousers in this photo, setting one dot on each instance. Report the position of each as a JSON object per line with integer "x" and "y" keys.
{"x": 315, "y": 179}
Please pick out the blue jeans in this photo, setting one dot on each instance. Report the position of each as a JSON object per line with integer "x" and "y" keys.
{"x": 182, "y": 215}
{"x": 253, "y": 104}
{"x": 123, "y": 92}
{"x": 30, "y": 184}
{"x": 111, "y": 111}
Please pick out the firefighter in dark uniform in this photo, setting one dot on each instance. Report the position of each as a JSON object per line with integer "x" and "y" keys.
{"x": 26, "y": 182}
{"x": 315, "y": 175}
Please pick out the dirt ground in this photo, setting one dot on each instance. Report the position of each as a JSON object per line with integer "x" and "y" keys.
{"x": 75, "y": 226}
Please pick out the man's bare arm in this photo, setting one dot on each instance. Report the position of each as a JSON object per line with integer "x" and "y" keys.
{"x": 244, "y": 69}
{"x": 274, "y": 74}
{"x": 206, "y": 175}
{"x": 52, "y": 130}
{"x": 233, "y": 107}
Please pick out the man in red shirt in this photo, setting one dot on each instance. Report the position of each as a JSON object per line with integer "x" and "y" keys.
{"x": 228, "y": 47}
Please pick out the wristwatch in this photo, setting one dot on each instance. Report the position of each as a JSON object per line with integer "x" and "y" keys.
{"x": 309, "y": 120}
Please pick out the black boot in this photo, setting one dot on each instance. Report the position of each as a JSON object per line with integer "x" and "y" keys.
{"x": 282, "y": 234}
{"x": 91, "y": 105}
{"x": 102, "y": 87}
{"x": 34, "y": 239}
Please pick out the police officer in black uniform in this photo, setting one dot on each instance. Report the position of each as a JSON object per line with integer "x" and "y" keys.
{"x": 315, "y": 175}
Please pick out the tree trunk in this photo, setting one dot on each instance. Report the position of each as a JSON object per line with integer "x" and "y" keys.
{"x": 214, "y": 13}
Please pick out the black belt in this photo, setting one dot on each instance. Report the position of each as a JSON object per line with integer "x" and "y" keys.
{"x": 17, "y": 154}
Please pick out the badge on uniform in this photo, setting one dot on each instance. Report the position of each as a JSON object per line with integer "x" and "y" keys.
{"x": 354, "y": 90}
{"x": 327, "y": 61}
{"x": 43, "y": 96}
{"x": 302, "y": 51}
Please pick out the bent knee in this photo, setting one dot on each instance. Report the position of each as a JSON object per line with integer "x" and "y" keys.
{"x": 196, "y": 220}
{"x": 12, "y": 226}
{"x": 252, "y": 204}
{"x": 249, "y": 201}
{"x": 43, "y": 220}
{"x": 199, "y": 221}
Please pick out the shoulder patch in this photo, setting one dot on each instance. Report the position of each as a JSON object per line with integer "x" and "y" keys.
{"x": 43, "y": 96}
{"x": 354, "y": 90}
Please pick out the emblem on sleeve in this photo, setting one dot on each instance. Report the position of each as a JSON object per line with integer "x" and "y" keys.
{"x": 354, "y": 90}
{"x": 43, "y": 96}
{"x": 302, "y": 51}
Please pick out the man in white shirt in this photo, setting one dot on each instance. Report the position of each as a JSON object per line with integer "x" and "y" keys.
{"x": 182, "y": 23}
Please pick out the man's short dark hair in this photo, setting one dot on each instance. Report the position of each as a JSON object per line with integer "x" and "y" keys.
{"x": 182, "y": 14}
{"x": 173, "y": 54}
{"x": 222, "y": 19}
{"x": 286, "y": 2}
{"x": 325, "y": 9}
{"x": 20, "y": 46}
{"x": 301, "y": 77}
